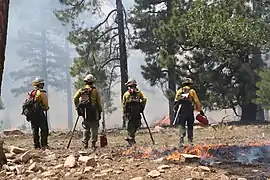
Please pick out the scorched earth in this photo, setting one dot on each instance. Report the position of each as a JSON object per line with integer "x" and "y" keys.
{"x": 231, "y": 152}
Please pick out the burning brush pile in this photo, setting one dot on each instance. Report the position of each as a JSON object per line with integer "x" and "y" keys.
{"x": 252, "y": 153}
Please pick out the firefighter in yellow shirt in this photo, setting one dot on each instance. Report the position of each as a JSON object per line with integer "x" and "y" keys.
{"x": 87, "y": 102}
{"x": 39, "y": 120}
{"x": 133, "y": 103}
{"x": 185, "y": 99}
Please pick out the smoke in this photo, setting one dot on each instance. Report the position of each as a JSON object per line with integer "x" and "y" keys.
{"x": 249, "y": 155}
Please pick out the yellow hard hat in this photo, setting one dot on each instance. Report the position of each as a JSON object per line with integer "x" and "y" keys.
{"x": 89, "y": 78}
{"x": 187, "y": 81}
{"x": 38, "y": 81}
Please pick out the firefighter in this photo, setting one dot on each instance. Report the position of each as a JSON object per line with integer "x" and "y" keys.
{"x": 39, "y": 120}
{"x": 133, "y": 103}
{"x": 185, "y": 99}
{"x": 87, "y": 102}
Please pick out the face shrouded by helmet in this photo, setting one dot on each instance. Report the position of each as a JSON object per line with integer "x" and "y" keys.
{"x": 89, "y": 78}
{"x": 187, "y": 81}
{"x": 38, "y": 81}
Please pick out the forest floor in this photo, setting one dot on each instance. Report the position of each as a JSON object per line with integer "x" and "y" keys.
{"x": 229, "y": 152}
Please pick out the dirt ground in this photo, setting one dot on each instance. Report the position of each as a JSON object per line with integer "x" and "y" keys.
{"x": 119, "y": 166}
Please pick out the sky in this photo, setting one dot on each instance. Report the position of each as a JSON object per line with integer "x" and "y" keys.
{"x": 25, "y": 17}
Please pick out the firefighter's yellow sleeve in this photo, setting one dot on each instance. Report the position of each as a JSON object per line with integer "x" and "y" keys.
{"x": 76, "y": 97}
{"x": 196, "y": 100}
{"x": 99, "y": 107}
{"x": 143, "y": 98}
{"x": 177, "y": 95}
{"x": 125, "y": 97}
{"x": 42, "y": 97}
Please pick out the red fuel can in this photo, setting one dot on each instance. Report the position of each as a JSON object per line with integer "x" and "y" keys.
{"x": 202, "y": 119}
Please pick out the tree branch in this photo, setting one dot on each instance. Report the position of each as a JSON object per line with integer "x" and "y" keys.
{"x": 108, "y": 61}
{"x": 110, "y": 46}
{"x": 234, "y": 110}
{"x": 104, "y": 33}
{"x": 97, "y": 26}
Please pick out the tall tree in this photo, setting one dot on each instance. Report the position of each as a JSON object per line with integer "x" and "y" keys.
{"x": 4, "y": 9}
{"x": 161, "y": 54}
{"x": 114, "y": 27}
{"x": 225, "y": 35}
{"x": 38, "y": 47}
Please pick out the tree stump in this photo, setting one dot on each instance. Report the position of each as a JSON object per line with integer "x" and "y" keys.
{"x": 3, "y": 159}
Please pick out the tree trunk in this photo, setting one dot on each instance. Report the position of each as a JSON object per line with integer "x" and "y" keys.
{"x": 45, "y": 69}
{"x": 171, "y": 66}
{"x": 4, "y": 9}
{"x": 266, "y": 115}
{"x": 260, "y": 114}
{"x": 69, "y": 95}
{"x": 123, "y": 51}
{"x": 249, "y": 113}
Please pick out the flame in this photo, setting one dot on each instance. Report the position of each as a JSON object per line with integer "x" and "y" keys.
{"x": 175, "y": 156}
{"x": 202, "y": 151}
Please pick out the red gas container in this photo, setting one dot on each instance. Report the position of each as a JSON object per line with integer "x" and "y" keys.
{"x": 202, "y": 119}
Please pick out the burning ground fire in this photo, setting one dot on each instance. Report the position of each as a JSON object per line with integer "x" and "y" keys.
{"x": 252, "y": 153}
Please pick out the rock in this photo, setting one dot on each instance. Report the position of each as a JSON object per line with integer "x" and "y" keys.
{"x": 100, "y": 175}
{"x": 230, "y": 128}
{"x": 83, "y": 153}
{"x": 10, "y": 155}
{"x": 195, "y": 174}
{"x": 224, "y": 177}
{"x": 137, "y": 178}
{"x": 59, "y": 166}
{"x": 255, "y": 170}
{"x": 13, "y": 132}
{"x": 241, "y": 178}
{"x": 163, "y": 167}
{"x": 190, "y": 157}
{"x": 47, "y": 174}
{"x": 161, "y": 170}
{"x": 88, "y": 169}
{"x": 33, "y": 167}
{"x": 89, "y": 161}
{"x": 189, "y": 179}
{"x": 154, "y": 173}
{"x": 106, "y": 171}
{"x": 117, "y": 172}
{"x": 25, "y": 157}
{"x": 159, "y": 160}
{"x": 17, "y": 150}
{"x": 204, "y": 168}
{"x": 67, "y": 174}
{"x": 70, "y": 161}
{"x": 51, "y": 157}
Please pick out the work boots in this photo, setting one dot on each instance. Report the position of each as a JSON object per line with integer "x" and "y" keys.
{"x": 190, "y": 141}
{"x": 131, "y": 141}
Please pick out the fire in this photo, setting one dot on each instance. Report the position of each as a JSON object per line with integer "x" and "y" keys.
{"x": 213, "y": 152}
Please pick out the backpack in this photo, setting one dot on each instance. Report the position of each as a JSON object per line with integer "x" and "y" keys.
{"x": 85, "y": 103}
{"x": 184, "y": 100}
{"x": 30, "y": 106}
{"x": 133, "y": 105}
